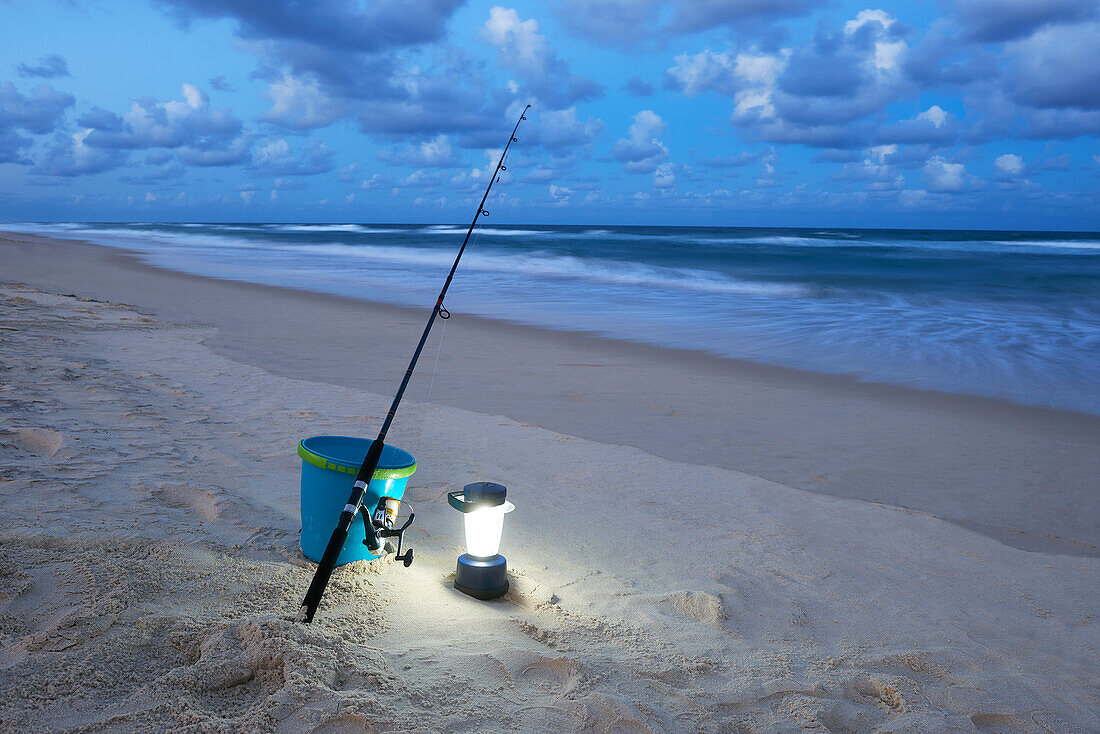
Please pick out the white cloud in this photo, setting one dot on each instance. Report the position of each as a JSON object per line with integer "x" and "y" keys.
{"x": 1009, "y": 164}
{"x": 881, "y": 152}
{"x": 642, "y": 151}
{"x": 934, "y": 114}
{"x": 435, "y": 153}
{"x": 664, "y": 177}
{"x": 941, "y": 176}
{"x": 298, "y": 103}
{"x": 523, "y": 50}
{"x": 887, "y": 52}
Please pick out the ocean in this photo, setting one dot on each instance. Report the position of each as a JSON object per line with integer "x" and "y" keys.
{"x": 1009, "y": 315}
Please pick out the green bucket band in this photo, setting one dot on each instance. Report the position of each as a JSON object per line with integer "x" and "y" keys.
{"x": 323, "y": 462}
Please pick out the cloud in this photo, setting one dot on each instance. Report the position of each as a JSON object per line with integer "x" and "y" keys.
{"x": 434, "y": 153}
{"x": 70, "y": 155}
{"x": 213, "y": 152}
{"x": 941, "y": 58}
{"x": 524, "y": 51}
{"x": 277, "y": 158}
{"x": 563, "y": 129}
{"x": 1006, "y": 20}
{"x": 626, "y": 22}
{"x": 1057, "y": 67}
{"x": 1009, "y": 165}
{"x": 347, "y": 26}
{"x": 336, "y": 59}
{"x": 943, "y": 177}
{"x": 37, "y": 113}
{"x": 48, "y": 67}
{"x": 642, "y": 151}
{"x": 822, "y": 94}
{"x": 689, "y": 16}
{"x": 609, "y": 22}
{"x": 218, "y": 83}
{"x": 934, "y": 125}
{"x": 639, "y": 88}
{"x": 663, "y": 176}
{"x": 189, "y": 123}
{"x": 12, "y": 146}
{"x": 298, "y": 103}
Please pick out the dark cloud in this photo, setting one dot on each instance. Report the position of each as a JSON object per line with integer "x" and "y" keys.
{"x": 39, "y": 112}
{"x": 626, "y": 22}
{"x": 70, "y": 155}
{"x": 1005, "y": 20}
{"x": 101, "y": 119}
{"x": 638, "y": 88}
{"x": 699, "y": 15}
{"x": 12, "y": 145}
{"x": 940, "y": 58}
{"x": 815, "y": 74}
{"x": 338, "y": 59}
{"x": 48, "y": 67}
{"x": 218, "y": 83}
{"x": 336, "y": 24}
{"x": 612, "y": 22}
{"x": 1057, "y": 67}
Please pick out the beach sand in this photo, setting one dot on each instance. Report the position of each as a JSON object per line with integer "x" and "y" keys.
{"x": 699, "y": 544}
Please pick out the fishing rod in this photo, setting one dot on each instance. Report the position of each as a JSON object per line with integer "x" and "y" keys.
{"x": 374, "y": 535}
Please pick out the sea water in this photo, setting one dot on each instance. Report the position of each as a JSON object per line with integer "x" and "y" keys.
{"x": 1010, "y": 315}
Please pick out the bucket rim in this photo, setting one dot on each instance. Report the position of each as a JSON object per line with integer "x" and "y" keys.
{"x": 332, "y": 463}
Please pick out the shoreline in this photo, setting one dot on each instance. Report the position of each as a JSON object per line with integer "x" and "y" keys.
{"x": 1019, "y": 474}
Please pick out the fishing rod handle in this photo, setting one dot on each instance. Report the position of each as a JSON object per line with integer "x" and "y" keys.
{"x": 340, "y": 533}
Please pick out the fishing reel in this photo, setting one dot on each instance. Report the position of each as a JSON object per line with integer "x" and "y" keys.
{"x": 381, "y": 525}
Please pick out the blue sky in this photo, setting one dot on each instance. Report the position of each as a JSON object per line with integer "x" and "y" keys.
{"x": 954, "y": 114}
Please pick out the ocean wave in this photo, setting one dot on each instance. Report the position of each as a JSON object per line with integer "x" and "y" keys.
{"x": 567, "y": 267}
{"x": 321, "y": 228}
{"x": 482, "y": 231}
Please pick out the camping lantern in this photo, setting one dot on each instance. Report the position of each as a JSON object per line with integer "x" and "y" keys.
{"x": 482, "y": 572}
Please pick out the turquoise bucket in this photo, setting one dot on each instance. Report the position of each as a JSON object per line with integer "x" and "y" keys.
{"x": 329, "y": 466}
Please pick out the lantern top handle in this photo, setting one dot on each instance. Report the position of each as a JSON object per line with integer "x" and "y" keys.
{"x": 480, "y": 494}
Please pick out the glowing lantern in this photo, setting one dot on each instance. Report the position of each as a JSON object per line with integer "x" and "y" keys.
{"x": 482, "y": 572}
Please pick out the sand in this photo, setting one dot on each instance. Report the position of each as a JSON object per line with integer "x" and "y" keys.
{"x": 150, "y": 564}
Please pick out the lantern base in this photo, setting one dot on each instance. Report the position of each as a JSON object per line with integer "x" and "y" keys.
{"x": 482, "y": 578}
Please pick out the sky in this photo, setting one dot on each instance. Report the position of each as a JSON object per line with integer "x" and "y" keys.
{"x": 971, "y": 114}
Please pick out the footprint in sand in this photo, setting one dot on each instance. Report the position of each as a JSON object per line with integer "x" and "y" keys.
{"x": 696, "y": 606}
{"x": 40, "y": 442}
{"x": 557, "y": 675}
{"x": 186, "y": 497}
